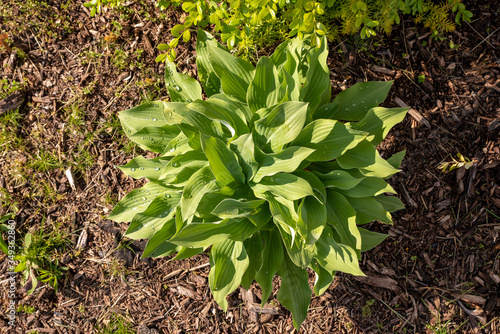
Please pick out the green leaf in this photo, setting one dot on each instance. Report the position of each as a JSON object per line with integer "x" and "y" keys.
{"x": 223, "y": 162}
{"x": 390, "y": 203}
{"x": 283, "y": 124}
{"x": 161, "y": 209}
{"x": 210, "y": 81}
{"x": 272, "y": 257}
{"x": 333, "y": 256}
{"x": 264, "y": 91}
{"x": 254, "y": 248}
{"x": 370, "y": 239}
{"x": 288, "y": 186}
{"x": 245, "y": 148}
{"x": 142, "y": 116}
{"x": 142, "y": 167}
{"x": 234, "y": 73}
{"x": 232, "y": 208}
{"x": 342, "y": 216}
{"x": 317, "y": 89}
{"x": 206, "y": 234}
{"x": 284, "y": 214}
{"x": 287, "y": 161}
{"x": 367, "y": 160}
{"x": 370, "y": 186}
{"x": 323, "y": 279}
{"x": 312, "y": 219}
{"x": 218, "y": 110}
{"x": 199, "y": 184}
{"x": 159, "y": 238}
{"x": 193, "y": 159}
{"x": 238, "y": 108}
{"x": 339, "y": 179}
{"x": 353, "y": 103}
{"x": 368, "y": 210}
{"x": 396, "y": 159}
{"x": 329, "y": 138}
{"x": 187, "y": 252}
{"x": 378, "y": 122}
{"x": 3, "y": 246}
{"x": 136, "y": 201}
{"x": 228, "y": 262}
{"x": 315, "y": 183}
{"x": 178, "y": 113}
{"x": 154, "y": 138}
{"x": 181, "y": 87}
{"x": 294, "y": 292}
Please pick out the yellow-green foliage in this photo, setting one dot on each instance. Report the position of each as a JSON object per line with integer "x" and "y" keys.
{"x": 245, "y": 24}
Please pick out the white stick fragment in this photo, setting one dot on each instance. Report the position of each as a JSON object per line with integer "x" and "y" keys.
{"x": 71, "y": 178}
{"x": 82, "y": 239}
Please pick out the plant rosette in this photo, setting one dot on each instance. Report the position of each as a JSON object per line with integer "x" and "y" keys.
{"x": 267, "y": 172}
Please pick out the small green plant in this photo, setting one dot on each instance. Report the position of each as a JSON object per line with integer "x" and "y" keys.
{"x": 117, "y": 325}
{"x": 244, "y": 23}
{"x": 26, "y": 309}
{"x": 366, "y": 310}
{"x": 264, "y": 171}
{"x": 38, "y": 259}
{"x": 448, "y": 166}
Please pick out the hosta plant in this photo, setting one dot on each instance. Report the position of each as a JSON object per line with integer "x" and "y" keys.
{"x": 267, "y": 172}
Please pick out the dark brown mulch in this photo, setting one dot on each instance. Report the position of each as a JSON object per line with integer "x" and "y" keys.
{"x": 439, "y": 268}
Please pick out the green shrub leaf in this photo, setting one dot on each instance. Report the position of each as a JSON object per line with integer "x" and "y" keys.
{"x": 370, "y": 239}
{"x": 272, "y": 257}
{"x": 181, "y": 87}
{"x": 353, "y": 103}
{"x": 228, "y": 262}
{"x": 294, "y": 292}
{"x": 142, "y": 167}
{"x": 286, "y": 161}
{"x": 282, "y": 125}
{"x": 378, "y": 121}
{"x": 264, "y": 91}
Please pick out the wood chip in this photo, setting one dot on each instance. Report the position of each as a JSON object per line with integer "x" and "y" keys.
{"x": 478, "y": 300}
{"x": 383, "y": 70}
{"x": 415, "y": 114}
{"x": 11, "y": 102}
{"x": 379, "y": 281}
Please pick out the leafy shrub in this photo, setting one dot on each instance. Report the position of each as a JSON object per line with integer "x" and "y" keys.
{"x": 263, "y": 171}
{"x": 247, "y": 23}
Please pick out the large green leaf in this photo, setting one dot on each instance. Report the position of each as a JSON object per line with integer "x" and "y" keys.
{"x": 339, "y": 179}
{"x": 284, "y": 214}
{"x": 369, "y": 186}
{"x": 282, "y": 125}
{"x": 396, "y": 159}
{"x": 264, "y": 91}
{"x": 245, "y": 147}
{"x": 142, "y": 167}
{"x": 181, "y": 87}
{"x": 234, "y": 73}
{"x": 272, "y": 257}
{"x": 288, "y": 186}
{"x": 342, "y": 216}
{"x": 208, "y": 78}
{"x": 159, "y": 239}
{"x": 317, "y": 89}
{"x": 161, "y": 209}
{"x": 239, "y": 108}
{"x": 153, "y": 138}
{"x": 202, "y": 123}
{"x": 294, "y": 292}
{"x": 255, "y": 210}
{"x": 223, "y": 162}
{"x": 390, "y": 203}
{"x": 206, "y": 234}
{"x": 367, "y": 160}
{"x": 370, "y": 239}
{"x": 215, "y": 110}
{"x": 368, "y": 210}
{"x": 323, "y": 279}
{"x": 142, "y": 116}
{"x": 196, "y": 159}
{"x": 329, "y": 138}
{"x": 379, "y": 121}
{"x": 312, "y": 219}
{"x": 228, "y": 262}
{"x": 336, "y": 257}
{"x": 199, "y": 184}
{"x": 315, "y": 183}
{"x": 253, "y": 247}
{"x": 136, "y": 201}
{"x": 286, "y": 161}
{"x": 353, "y": 103}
